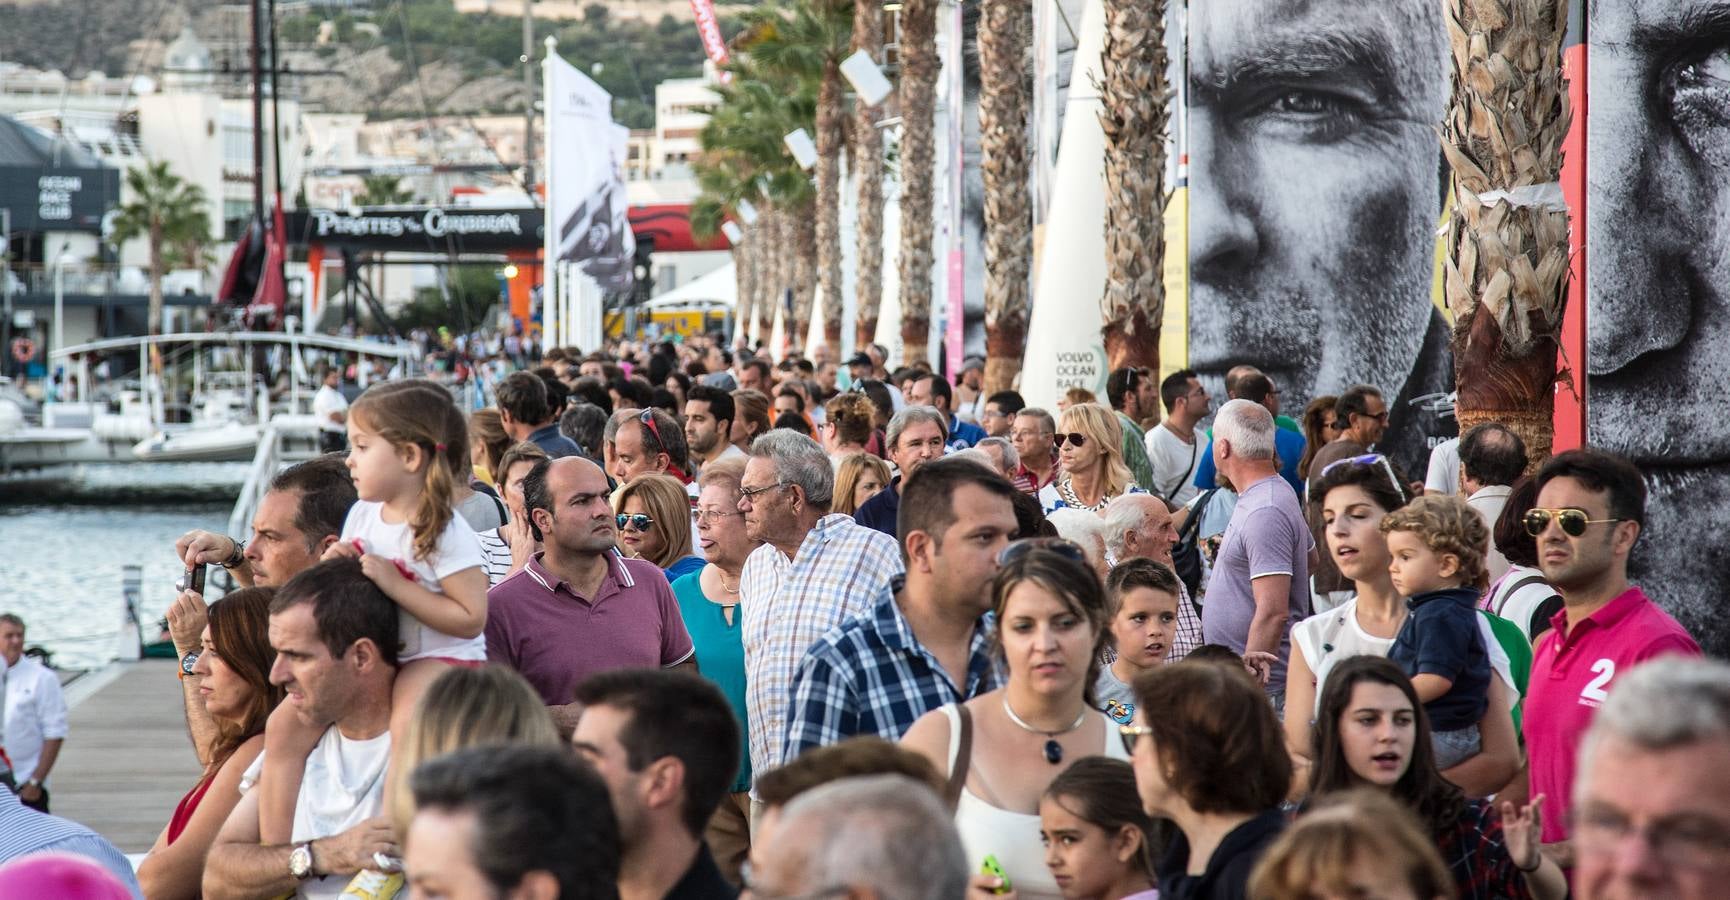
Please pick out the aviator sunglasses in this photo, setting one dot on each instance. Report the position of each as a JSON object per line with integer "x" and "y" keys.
{"x": 1573, "y": 521}
{"x": 1073, "y": 437}
{"x": 639, "y": 521}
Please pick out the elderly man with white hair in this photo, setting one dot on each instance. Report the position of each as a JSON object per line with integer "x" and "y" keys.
{"x": 1260, "y": 581}
{"x": 1140, "y": 525}
{"x": 1651, "y": 808}
{"x": 1002, "y": 454}
{"x": 879, "y": 836}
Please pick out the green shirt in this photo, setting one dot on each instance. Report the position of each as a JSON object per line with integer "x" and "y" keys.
{"x": 720, "y": 656}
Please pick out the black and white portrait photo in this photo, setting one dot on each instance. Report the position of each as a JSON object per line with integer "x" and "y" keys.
{"x": 1658, "y": 286}
{"x": 1316, "y": 187}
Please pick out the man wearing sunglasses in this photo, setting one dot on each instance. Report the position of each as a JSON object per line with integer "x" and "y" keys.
{"x": 1591, "y": 510}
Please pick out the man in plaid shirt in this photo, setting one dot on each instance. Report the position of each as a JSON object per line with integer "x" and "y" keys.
{"x": 813, "y": 570}
{"x": 926, "y": 642}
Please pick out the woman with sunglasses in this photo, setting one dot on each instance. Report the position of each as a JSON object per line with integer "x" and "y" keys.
{"x": 234, "y": 671}
{"x": 709, "y": 604}
{"x": 1002, "y": 749}
{"x": 654, "y": 517}
{"x": 1371, "y": 731}
{"x": 1090, "y": 452}
{"x": 1353, "y": 495}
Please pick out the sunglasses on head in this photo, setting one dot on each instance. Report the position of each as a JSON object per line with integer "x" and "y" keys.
{"x": 1073, "y": 437}
{"x": 1369, "y": 459}
{"x": 1066, "y": 549}
{"x": 1573, "y": 521}
{"x": 639, "y": 521}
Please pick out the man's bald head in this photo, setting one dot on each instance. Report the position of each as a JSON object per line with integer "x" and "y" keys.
{"x": 570, "y": 485}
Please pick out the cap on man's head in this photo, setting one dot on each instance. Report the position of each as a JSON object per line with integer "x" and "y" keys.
{"x": 859, "y": 359}
{"x": 973, "y": 362}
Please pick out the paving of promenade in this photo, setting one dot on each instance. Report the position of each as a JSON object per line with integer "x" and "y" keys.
{"x": 127, "y": 759}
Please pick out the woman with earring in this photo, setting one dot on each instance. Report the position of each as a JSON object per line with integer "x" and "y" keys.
{"x": 1002, "y": 749}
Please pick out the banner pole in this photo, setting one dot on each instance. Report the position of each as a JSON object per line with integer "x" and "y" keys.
{"x": 549, "y": 260}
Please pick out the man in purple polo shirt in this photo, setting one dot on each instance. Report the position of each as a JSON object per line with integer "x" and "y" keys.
{"x": 1260, "y": 581}
{"x": 579, "y": 607}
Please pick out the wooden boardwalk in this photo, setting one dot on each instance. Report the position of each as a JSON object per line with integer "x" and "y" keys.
{"x": 127, "y": 759}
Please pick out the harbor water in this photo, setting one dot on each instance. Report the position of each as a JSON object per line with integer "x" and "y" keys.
{"x": 67, "y": 535}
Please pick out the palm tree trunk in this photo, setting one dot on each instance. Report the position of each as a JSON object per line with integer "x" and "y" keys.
{"x": 154, "y": 310}
{"x": 830, "y": 141}
{"x": 780, "y": 268}
{"x": 804, "y": 273}
{"x": 744, "y": 282}
{"x": 1134, "y": 108}
{"x": 868, "y": 164}
{"x": 1004, "y": 26}
{"x": 917, "y": 98}
{"x": 1507, "y": 266}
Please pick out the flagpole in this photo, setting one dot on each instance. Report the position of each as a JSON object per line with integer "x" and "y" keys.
{"x": 550, "y": 320}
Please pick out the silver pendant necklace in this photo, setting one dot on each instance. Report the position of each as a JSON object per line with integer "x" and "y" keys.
{"x": 1053, "y": 749}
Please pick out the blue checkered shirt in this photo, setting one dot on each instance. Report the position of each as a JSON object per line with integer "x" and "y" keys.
{"x": 841, "y": 568}
{"x": 872, "y": 676}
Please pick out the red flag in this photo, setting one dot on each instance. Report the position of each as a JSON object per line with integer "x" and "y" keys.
{"x": 709, "y": 27}
{"x": 272, "y": 295}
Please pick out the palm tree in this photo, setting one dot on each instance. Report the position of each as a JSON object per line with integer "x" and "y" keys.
{"x": 382, "y": 190}
{"x": 1134, "y": 108}
{"x": 1004, "y": 91}
{"x": 868, "y": 165}
{"x": 917, "y": 99}
{"x": 170, "y": 213}
{"x": 1507, "y": 267}
{"x": 805, "y": 44}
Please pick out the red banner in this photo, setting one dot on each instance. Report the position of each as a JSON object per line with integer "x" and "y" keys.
{"x": 710, "y": 28}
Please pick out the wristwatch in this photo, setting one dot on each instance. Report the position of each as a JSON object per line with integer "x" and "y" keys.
{"x": 187, "y": 662}
{"x": 300, "y": 862}
{"x": 238, "y": 556}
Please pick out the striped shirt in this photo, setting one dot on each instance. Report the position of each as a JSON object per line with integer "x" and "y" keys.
{"x": 24, "y": 831}
{"x": 871, "y": 675}
{"x": 497, "y": 554}
{"x": 787, "y": 604}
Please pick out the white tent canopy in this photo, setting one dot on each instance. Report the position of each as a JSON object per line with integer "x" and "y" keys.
{"x": 720, "y": 286}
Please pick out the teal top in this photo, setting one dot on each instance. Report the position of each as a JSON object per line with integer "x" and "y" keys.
{"x": 720, "y": 656}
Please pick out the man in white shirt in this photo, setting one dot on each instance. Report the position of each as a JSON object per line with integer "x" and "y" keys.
{"x": 1173, "y": 449}
{"x": 339, "y": 826}
{"x": 35, "y": 720}
{"x": 1492, "y": 458}
{"x": 330, "y": 407}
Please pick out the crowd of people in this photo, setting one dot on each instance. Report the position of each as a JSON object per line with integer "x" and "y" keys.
{"x": 682, "y": 621}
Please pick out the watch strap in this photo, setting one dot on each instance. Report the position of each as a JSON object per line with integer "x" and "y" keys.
{"x": 238, "y": 556}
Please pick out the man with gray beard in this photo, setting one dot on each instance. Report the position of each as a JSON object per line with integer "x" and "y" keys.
{"x": 1315, "y": 191}
{"x": 1659, "y": 287}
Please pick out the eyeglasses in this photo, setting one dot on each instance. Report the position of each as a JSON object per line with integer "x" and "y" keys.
{"x": 1132, "y": 733}
{"x": 1073, "y": 437}
{"x": 749, "y": 495}
{"x": 1066, "y": 549}
{"x": 1573, "y": 521}
{"x": 1369, "y": 459}
{"x": 1683, "y": 842}
{"x": 639, "y": 521}
{"x": 705, "y": 516}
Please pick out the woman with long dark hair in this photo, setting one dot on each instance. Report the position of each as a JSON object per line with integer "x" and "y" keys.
{"x": 1099, "y": 843}
{"x": 1371, "y": 731}
{"x": 234, "y": 669}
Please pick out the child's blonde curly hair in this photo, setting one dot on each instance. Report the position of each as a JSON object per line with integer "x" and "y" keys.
{"x": 1446, "y": 525}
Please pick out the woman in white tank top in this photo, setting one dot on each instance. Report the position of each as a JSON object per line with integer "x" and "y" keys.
{"x": 1050, "y": 612}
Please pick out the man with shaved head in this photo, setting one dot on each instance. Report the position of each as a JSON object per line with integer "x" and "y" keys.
{"x": 1315, "y": 192}
{"x": 579, "y": 606}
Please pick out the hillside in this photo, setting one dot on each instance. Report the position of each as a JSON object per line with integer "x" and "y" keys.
{"x": 369, "y": 58}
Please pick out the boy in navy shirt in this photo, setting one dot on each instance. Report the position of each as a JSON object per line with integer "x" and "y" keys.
{"x": 1438, "y": 545}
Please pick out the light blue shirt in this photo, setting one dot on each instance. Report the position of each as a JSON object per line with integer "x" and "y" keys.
{"x": 24, "y": 831}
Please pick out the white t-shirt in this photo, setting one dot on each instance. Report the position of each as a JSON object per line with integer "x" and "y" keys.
{"x": 1174, "y": 463}
{"x": 1444, "y": 474}
{"x": 35, "y": 712}
{"x": 342, "y": 787}
{"x": 458, "y": 549}
{"x": 1327, "y": 638}
{"x": 329, "y": 400}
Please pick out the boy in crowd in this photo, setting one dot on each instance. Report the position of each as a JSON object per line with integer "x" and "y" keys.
{"x": 1141, "y": 598}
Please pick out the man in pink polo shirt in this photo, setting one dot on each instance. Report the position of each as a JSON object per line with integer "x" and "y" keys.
{"x": 579, "y": 607}
{"x": 1591, "y": 508}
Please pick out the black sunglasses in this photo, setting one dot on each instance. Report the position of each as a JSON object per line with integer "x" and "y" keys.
{"x": 1067, "y": 549}
{"x": 1074, "y": 437}
{"x": 638, "y": 521}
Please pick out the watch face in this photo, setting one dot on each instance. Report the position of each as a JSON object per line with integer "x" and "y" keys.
{"x": 188, "y": 661}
